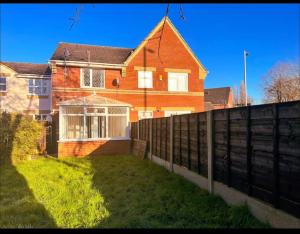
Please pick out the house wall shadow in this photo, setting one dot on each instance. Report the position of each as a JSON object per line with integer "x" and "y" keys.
{"x": 18, "y": 206}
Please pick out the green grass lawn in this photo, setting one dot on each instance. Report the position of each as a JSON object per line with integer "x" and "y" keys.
{"x": 109, "y": 192}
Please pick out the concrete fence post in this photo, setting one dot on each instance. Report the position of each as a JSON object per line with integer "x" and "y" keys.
{"x": 150, "y": 140}
{"x": 209, "y": 124}
{"x": 171, "y": 142}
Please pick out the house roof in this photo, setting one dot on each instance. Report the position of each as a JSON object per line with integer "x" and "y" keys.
{"x": 217, "y": 95}
{"x": 98, "y": 54}
{"x": 156, "y": 28}
{"x": 28, "y": 68}
{"x": 93, "y": 100}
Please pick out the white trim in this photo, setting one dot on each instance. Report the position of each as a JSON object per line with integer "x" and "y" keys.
{"x": 91, "y": 79}
{"x": 87, "y": 64}
{"x": 60, "y": 123}
{"x": 100, "y": 105}
{"x": 33, "y": 76}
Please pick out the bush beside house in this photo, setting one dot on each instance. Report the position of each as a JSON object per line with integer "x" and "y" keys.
{"x": 20, "y": 138}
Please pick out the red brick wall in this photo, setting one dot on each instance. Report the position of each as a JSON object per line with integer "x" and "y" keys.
{"x": 86, "y": 148}
{"x": 173, "y": 54}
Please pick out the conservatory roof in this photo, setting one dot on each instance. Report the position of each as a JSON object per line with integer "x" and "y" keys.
{"x": 93, "y": 100}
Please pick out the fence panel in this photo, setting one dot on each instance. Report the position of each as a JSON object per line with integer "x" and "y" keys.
{"x": 256, "y": 149}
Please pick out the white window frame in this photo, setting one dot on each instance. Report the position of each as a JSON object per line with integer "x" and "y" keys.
{"x": 178, "y": 87}
{"x": 142, "y": 78}
{"x": 140, "y": 114}
{"x": 85, "y": 114}
{"x": 41, "y": 86}
{"x": 176, "y": 112}
{"x": 45, "y": 116}
{"x": 1, "y": 84}
{"x": 91, "y": 78}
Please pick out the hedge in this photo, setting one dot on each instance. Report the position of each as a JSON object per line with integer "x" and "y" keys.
{"x": 19, "y": 138}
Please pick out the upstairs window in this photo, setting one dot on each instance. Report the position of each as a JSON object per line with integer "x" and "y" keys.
{"x": 92, "y": 78}
{"x": 38, "y": 87}
{"x": 145, "y": 79}
{"x": 177, "y": 81}
{"x": 2, "y": 84}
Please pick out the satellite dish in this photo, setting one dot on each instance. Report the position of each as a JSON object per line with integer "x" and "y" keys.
{"x": 116, "y": 82}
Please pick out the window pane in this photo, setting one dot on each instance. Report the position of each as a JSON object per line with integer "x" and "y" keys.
{"x": 73, "y": 127}
{"x": 38, "y": 82}
{"x": 86, "y": 77}
{"x": 98, "y": 78}
{"x": 117, "y": 126}
{"x": 2, "y": 80}
{"x": 45, "y": 82}
{"x": 117, "y": 110}
{"x": 37, "y": 90}
{"x": 95, "y": 126}
{"x": 2, "y": 84}
{"x": 31, "y": 89}
{"x": 30, "y": 82}
{"x": 177, "y": 81}
{"x": 73, "y": 110}
{"x": 91, "y": 110}
{"x": 145, "y": 79}
{"x": 45, "y": 91}
{"x": 172, "y": 84}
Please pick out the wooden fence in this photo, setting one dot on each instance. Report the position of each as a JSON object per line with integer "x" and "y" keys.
{"x": 255, "y": 149}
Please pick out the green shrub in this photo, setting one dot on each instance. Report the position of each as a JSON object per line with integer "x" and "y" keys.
{"x": 19, "y": 137}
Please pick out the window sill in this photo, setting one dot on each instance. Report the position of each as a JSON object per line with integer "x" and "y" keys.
{"x": 87, "y": 87}
{"x": 173, "y": 91}
{"x": 3, "y": 93}
{"x": 95, "y": 139}
{"x": 30, "y": 96}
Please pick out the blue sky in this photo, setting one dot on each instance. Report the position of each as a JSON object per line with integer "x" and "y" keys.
{"x": 217, "y": 33}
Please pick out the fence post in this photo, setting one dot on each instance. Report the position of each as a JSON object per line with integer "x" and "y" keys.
{"x": 276, "y": 158}
{"x": 209, "y": 124}
{"x": 150, "y": 140}
{"x": 171, "y": 142}
{"x": 180, "y": 153}
{"x": 249, "y": 149}
{"x": 189, "y": 141}
{"x": 198, "y": 145}
{"x": 228, "y": 147}
{"x": 166, "y": 140}
{"x": 138, "y": 129}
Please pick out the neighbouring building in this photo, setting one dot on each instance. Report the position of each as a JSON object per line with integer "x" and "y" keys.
{"x": 96, "y": 91}
{"x": 25, "y": 88}
{"x": 218, "y": 98}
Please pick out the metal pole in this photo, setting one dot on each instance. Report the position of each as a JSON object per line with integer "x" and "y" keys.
{"x": 245, "y": 80}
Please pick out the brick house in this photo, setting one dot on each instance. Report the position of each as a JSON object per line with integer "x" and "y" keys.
{"x": 218, "y": 98}
{"x": 98, "y": 90}
{"x": 25, "y": 88}
{"x": 94, "y": 92}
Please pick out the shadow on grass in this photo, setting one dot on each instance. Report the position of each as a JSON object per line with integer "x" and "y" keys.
{"x": 18, "y": 206}
{"x": 140, "y": 194}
